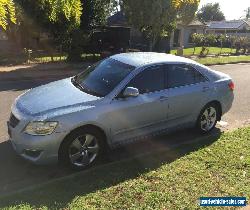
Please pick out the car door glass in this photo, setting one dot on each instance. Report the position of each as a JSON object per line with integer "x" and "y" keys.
{"x": 149, "y": 80}
{"x": 181, "y": 75}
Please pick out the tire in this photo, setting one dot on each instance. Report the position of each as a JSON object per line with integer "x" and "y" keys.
{"x": 208, "y": 118}
{"x": 82, "y": 148}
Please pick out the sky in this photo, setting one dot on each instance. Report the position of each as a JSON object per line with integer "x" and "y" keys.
{"x": 232, "y": 9}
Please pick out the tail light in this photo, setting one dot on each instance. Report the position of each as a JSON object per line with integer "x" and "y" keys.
{"x": 231, "y": 86}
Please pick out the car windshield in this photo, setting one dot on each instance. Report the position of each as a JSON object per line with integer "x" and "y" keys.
{"x": 101, "y": 78}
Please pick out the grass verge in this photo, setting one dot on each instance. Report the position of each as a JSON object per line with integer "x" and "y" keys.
{"x": 212, "y": 51}
{"x": 166, "y": 179}
{"x": 12, "y": 59}
{"x": 223, "y": 60}
{"x": 217, "y": 59}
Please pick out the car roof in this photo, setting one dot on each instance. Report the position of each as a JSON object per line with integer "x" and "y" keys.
{"x": 138, "y": 59}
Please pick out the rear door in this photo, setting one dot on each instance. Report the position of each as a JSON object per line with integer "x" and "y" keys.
{"x": 188, "y": 92}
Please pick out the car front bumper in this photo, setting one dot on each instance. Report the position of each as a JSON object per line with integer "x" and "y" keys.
{"x": 37, "y": 149}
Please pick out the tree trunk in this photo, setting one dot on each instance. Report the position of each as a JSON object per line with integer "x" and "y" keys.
{"x": 75, "y": 50}
{"x": 152, "y": 43}
{"x": 168, "y": 47}
{"x": 157, "y": 47}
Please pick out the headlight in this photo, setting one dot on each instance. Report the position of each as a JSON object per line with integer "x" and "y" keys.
{"x": 40, "y": 128}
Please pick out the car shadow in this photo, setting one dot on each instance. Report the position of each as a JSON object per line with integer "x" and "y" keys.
{"x": 121, "y": 164}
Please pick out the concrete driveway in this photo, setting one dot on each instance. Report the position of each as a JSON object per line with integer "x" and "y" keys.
{"x": 16, "y": 173}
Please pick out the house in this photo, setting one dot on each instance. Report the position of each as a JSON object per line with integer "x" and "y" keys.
{"x": 232, "y": 27}
{"x": 136, "y": 38}
{"x": 181, "y": 36}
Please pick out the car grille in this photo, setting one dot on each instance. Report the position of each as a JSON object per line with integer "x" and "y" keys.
{"x": 13, "y": 122}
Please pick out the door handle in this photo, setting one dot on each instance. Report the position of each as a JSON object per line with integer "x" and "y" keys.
{"x": 204, "y": 89}
{"x": 163, "y": 98}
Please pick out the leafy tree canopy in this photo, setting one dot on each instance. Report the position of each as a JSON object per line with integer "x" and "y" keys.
{"x": 95, "y": 12}
{"x": 7, "y": 13}
{"x": 47, "y": 12}
{"x": 158, "y": 18}
{"x": 210, "y": 12}
{"x": 247, "y": 13}
{"x": 71, "y": 9}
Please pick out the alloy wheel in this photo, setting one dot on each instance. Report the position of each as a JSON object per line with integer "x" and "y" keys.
{"x": 83, "y": 150}
{"x": 208, "y": 119}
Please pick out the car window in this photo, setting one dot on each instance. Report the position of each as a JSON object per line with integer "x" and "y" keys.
{"x": 149, "y": 80}
{"x": 101, "y": 78}
{"x": 182, "y": 74}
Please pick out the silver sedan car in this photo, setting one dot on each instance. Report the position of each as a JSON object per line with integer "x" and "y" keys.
{"x": 113, "y": 102}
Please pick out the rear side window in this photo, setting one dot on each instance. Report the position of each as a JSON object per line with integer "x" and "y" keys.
{"x": 182, "y": 74}
{"x": 149, "y": 80}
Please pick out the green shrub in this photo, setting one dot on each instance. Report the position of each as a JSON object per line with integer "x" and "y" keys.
{"x": 242, "y": 44}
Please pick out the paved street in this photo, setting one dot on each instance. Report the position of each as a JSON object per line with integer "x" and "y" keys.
{"x": 240, "y": 113}
{"x": 16, "y": 173}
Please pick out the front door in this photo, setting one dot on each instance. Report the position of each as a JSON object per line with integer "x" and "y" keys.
{"x": 141, "y": 115}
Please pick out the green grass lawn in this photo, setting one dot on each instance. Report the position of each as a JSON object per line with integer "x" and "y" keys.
{"x": 205, "y": 60}
{"x": 212, "y": 51}
{"x": 219, "y": 165}
{"x": 46, "y": 59}
{"x": 11, "y": 59}
{"x": 223, "y": 60}
{"x": 20, "y": 59}
{"x": 216, "y": 59}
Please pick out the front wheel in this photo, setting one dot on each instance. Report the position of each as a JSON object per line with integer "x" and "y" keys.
{"x": 82, "y": 148}
{"x": 207, "y": 118}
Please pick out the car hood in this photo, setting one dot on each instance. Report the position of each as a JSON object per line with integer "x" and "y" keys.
{"x": 53, "y": 97}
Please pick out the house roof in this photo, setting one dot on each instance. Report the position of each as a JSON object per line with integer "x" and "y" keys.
{"x": 232, "y": 24}
{"x": 196, "y": 22}
{"x": 117, "y": 19}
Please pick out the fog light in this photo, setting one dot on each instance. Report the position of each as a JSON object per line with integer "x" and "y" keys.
{"x": 32, "y": 153}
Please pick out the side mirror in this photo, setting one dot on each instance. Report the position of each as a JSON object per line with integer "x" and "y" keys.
{"x": 130, "y": 92}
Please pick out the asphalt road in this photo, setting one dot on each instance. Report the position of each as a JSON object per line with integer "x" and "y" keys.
{"x": 16, "y": 173}
{"x": 239, "y": 115}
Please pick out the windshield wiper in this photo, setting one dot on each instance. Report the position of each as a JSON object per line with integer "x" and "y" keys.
{"x": 77, "y": 84}
{"x": 92, "y": 92}
{"x": 83, "y": 88}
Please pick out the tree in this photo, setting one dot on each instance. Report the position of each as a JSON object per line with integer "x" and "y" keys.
{"x": 247, "y": 13}
{"x": 49, "y": 12}
{"x": 232, "y": 40}
{"x": 197, "y": 39}
{"x": 7, "y": 13}
{"x": 95, "y": 12}
{"x": 58, "y": 17}
{"x": 222, "y": 38}
{"x": 210, "y": 12}
{"x": 158, "y": 18}
{"x": 68, "y": 21}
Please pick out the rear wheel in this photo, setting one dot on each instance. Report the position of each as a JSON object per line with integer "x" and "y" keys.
{"x": 208, "y": 118}
{"x": 82, "y": 148}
